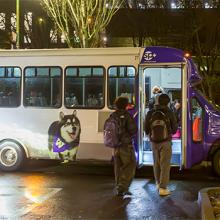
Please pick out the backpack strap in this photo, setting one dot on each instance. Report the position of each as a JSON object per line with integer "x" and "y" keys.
{"x": 167, "y": 119}
{"x": 122, "y": 119}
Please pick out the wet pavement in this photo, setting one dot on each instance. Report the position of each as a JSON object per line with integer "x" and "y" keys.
{"x": 47, "y": 190}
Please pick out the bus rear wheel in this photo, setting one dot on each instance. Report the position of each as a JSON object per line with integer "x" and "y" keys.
{"x": 216, "y": 162}
{"x": 12, "y": 156}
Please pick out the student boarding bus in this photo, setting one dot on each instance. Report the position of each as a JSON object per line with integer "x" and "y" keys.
{"x": 52, "y": 99}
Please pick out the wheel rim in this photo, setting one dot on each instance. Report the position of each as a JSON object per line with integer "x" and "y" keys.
{"x": 8, "y": 156}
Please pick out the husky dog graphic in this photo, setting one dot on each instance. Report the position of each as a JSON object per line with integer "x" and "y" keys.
{"x": 64, "y": 136}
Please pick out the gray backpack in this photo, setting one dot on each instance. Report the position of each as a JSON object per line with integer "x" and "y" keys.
{"x": 159, "y": 126}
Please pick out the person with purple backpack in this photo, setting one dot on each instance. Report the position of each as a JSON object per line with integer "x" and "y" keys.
{"x": 124, "y": 154}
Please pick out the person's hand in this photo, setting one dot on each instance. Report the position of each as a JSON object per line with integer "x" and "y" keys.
{"x": 177, "y": 105}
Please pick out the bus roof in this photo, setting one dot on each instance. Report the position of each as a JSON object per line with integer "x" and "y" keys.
{"x": 72, "y": 51}
{"x": 152, "y": 54}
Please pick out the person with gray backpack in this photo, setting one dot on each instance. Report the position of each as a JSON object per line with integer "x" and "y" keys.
{"x": 160, "y": 124}
{"x": 119, "y": 130}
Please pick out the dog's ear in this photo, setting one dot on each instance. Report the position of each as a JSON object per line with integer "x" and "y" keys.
{"x": 74, "y": 112}
{"x": 61, "y": 115}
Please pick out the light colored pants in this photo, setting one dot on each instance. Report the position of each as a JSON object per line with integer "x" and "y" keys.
{"x": 162, "y": 153}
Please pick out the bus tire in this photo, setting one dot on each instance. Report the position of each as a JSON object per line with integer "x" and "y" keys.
{"x": 12, "y": 156}
{"x": 216, "y": 162}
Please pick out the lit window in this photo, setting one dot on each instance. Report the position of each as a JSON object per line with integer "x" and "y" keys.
{"x": 27, "y": 27}
{"x": 10, "y": 86}
{"x": 173, "y": 5}
{"x": 63, "y": 38}
{"x": 42, "y": 87}
{"x": 84, "y": 87}
{"x": 2, "y": 21}
{"x": 53, "y": 36}
{"x": 13, "y": 22}
{"x": 207, "y": 5}
{"x": 121, "y": 82}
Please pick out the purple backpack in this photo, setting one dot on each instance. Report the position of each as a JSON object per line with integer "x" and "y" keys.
{"x": 112, "y": 132}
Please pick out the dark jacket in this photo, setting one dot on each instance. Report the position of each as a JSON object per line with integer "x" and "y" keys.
{"x": 173, "y": 123}
{"x": 178, "y": 115}
{"x": 128, "y": 126}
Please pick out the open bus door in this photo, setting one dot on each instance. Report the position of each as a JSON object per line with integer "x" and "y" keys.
{"x": 168, "y": 77}
{"x": 140, "y": 118}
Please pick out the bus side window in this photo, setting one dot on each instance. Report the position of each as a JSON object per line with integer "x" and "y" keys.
{"x": 42, "y": 86}
{"x": 197, "y": 120}
{"x": 121, "y": 82}
{"x": 10, "y": 86}
{"x": 84, "y": 87}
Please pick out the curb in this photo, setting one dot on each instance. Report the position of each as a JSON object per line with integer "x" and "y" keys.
{"x": 207, "y": 211}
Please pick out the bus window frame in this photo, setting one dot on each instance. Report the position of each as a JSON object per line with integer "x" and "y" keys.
{"x": 20, "y": 84}
{"x": 61, "y": 86}
{"x": 149, "y": 91}
{"x": 107, "y": 84}
{"x": 202, "y": 117}
{"x": 78, "y": 77}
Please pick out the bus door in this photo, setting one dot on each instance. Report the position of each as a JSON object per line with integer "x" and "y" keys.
{"x": 169, "y": 78}
{"x": 141, "y": 115}
{"x": 195, "y": 146}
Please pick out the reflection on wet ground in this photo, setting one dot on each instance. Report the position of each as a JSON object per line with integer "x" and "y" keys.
{"x": 60, "y": 192}
{"x": 19, "y": 200}
{"x": 20, "y": 193}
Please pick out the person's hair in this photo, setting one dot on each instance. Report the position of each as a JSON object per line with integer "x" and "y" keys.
{"x": 156, "y": 89}
{"x": 163, "y": 99}
{"x": 121, "y": 102}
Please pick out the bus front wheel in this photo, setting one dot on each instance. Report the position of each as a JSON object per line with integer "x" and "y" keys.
{"x": 12, "y": 156}
{"x": 216, "y": 162}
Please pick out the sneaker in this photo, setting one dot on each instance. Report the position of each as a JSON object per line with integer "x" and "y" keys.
{"x": 127, "y": 193}
{"x": 164, "y": 192}
{"x": 120, "y": 193}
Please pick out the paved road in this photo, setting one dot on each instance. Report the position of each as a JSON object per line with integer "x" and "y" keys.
{"x": 77, "y": 191}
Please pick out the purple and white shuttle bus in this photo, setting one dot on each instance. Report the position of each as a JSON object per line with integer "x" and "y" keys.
{"x": 49, "y": 99}
{"x": 177, "y": 74}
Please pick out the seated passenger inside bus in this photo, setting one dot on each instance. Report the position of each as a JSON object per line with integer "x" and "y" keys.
{"x": 36, "y": 99}
{"x": 92, "y": 101}
{"x": 71, "y": 100}
{"x": 176, "y": 108}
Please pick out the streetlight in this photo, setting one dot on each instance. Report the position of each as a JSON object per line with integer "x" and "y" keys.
{"x": 17, "y": 24}
{"x": 40, "y": 20}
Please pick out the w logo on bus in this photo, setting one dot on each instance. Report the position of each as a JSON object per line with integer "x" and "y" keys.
{"x": 64, "y": 136}
{"x": 149, "y": 55}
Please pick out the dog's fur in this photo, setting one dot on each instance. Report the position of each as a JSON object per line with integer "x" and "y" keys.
{"x": 64, "y": 136}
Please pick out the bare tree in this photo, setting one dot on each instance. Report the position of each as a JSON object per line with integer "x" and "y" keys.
{"x": 203, "y": 40}
{"x": 81, "y": 21}
{"x": 207, "y": 53}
